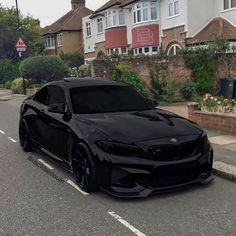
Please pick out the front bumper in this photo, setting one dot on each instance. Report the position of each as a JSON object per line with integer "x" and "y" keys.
{"x": 137, "y": 177}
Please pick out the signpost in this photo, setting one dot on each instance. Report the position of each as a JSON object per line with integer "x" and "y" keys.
{"x": 20, "y": 46}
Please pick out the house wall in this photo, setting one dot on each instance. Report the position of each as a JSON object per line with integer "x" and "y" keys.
{"x": 71, "y": 41}
{"x": 230, "y": 14}
{"x": 199, "y": 14}
{"x": 92, "y": 43}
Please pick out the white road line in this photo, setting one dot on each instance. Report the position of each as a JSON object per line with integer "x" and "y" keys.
{"x": 126, "y": 224}
{"x": 46, "y": 164}
{"x": 76, "y": 187}
{"x": 11, "y": 139}
{"x": 2, "y": 132}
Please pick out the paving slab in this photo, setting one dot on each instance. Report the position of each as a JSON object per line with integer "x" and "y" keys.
{"x": 223, "y": 140}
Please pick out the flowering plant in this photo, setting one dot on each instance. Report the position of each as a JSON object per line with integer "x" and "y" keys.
{"x": 217, "y": 104}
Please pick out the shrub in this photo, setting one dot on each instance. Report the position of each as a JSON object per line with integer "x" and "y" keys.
{"x": 124, "y": 73}
{"x": 75, "y": 59}
{"x": 43, "y": 68}
{"x": 8, "y": 70}
{"x": 203, "y": 65}
{"x": 170, "y": 89}
{"x": 7, "y": 84}
{"x": 82, "y": 71}
{"x": 217, "y": 104}
{"x": 17, "y": 85}
{"x": 189, "y": 90}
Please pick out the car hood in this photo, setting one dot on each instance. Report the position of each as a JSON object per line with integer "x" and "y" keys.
{"x": 132, "y": 127}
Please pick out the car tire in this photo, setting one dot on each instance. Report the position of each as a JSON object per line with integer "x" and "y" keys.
{"x": 24, "y": 137}
{"x": 84, "y": 169}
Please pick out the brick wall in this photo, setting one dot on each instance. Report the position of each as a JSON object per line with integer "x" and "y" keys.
{"x": 170, "y": 68}
{"x": 222, "y": 122}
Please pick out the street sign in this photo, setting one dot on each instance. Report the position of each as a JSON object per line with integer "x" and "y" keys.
{"x": 20, "y": 49}
{"x": 20, "y": 43}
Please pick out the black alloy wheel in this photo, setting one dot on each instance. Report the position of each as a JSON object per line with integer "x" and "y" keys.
{"x": 84, "y": 169}
{"x": 24, "y": 137}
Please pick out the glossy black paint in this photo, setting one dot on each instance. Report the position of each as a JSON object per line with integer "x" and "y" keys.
{"x": 55, "y": 130}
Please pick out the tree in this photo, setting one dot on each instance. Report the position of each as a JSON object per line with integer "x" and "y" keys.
{"x": 29, "y": 30}
{"x": 8, "y": 70}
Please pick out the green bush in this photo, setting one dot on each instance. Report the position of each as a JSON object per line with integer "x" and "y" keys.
{"x": 124, "y": 73}
{"x": 43, "y": 68}
{"x": 189, "y": 90}
{"x": 170, "y": 90}
{"x": 7, "y": 84}
{"x": 8, "y": 70}
{"x": 203, "y": 65}
{"x": 17, "y": 85}
{"x": 75, "y": 59}
{"x": 82, "y": 71}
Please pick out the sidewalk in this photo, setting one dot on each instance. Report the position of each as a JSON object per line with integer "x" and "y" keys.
{"x": 224, "y": 146}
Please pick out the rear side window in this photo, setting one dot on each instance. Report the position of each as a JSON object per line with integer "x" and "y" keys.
{"x": 51, "y": 94}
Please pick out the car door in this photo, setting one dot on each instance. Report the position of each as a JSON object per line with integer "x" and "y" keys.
{"x": 38, "y": 122}
{"x": 58, "y": 130}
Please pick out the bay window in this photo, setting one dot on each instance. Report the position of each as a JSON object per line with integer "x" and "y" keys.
{"x": 49, "y": 42}
{"x": 145, "y": 11}
{"x": 114, "y": 18}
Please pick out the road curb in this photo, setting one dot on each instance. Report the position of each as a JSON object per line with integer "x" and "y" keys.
{"x": 224, "y": 170}
{"x": 5, "y": 98}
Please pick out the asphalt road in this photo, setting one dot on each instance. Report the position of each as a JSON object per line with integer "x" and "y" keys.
{"x": 34, "y": 203}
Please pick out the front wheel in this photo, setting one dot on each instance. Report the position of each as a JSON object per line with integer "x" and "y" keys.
{"x": 84, "y": 169}
{"x": 24, "y": 137}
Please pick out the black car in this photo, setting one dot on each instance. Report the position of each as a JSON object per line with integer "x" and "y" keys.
{"x": 112, "y": 138}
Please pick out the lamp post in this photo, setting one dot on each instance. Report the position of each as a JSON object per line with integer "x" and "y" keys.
{"x": 19, "y": 34}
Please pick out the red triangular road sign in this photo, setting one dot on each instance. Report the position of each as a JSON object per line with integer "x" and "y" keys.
{"x": 20, "y": 44}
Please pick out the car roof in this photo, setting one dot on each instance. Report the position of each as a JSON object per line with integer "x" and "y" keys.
{"x": 85, "y": 82}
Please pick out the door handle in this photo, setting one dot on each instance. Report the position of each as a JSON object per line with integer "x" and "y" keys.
{"x": 42, "y": 110}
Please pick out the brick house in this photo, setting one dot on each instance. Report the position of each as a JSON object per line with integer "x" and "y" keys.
{"x": 144, "y": 26}
{"x": 66, "y": 34}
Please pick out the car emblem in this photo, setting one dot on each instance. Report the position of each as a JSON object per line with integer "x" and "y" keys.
{"x": 174, "y": 140}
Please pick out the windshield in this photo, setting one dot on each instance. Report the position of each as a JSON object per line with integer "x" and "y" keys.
{"x": 104, "y": 99}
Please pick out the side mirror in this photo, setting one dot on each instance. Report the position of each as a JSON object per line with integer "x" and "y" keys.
{"x": 153, "y": 102}
{"x": 59, "y": 108}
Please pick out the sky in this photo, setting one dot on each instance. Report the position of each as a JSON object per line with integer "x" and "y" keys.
{"x": 48, "y": 11}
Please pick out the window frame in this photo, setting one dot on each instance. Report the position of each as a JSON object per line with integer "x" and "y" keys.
{"x": 59, "y": 40}
{"x": 100, "y": 26}
{"x": 113, "y": 18}
{"x": 143, "y": 12}
{"x": 50, "y": 42}
{"x": 174, "y": 46}
{"x": 88, "y": 29}
{"x": 172, "y": 10}
{"x": 229, "y": 4}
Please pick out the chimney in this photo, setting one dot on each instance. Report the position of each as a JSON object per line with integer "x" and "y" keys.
{"x": 77, "y": 4}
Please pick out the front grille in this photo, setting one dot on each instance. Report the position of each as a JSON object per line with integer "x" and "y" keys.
{"x": 174, "y": 174}
{"x": 172, "y": 152}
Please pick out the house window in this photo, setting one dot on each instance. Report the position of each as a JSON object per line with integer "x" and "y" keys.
{"x": 146, "y": 50}
{"x": 114, "y": 18}
{"x": 100, "y": 25}
{"x": 145, "y": 11}
{"x": 59, "y": 40}
{"x": 49, "y": 42}
{"x": 229, "y": 4}
{"x": 88, "y": 29}
{"x": 173, "y": 7}
{"x": 173, "y": 50}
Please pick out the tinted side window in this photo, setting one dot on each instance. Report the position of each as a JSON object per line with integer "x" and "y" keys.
{"x": 42, "y": 96}
{"x": 56, "y": 95}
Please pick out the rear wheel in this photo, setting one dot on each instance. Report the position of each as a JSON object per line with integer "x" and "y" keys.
{"x": 84, "y": 169}
{"x": 24, "y": 137}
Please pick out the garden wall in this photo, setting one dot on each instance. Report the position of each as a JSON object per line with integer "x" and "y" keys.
{"x": 170, "y": 68}
{"x": 223, "y": 122}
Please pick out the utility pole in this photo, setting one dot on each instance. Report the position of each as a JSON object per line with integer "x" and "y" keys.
{"x": 20, "y": 53}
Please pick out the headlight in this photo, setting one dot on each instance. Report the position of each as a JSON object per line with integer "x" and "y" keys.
{"x": 204, "y": 144}
{"x": 120, "y": 149}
